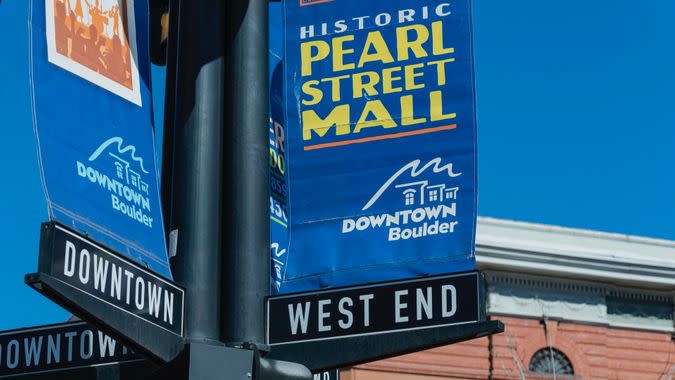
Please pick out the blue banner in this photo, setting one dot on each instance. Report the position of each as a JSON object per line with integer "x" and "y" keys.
{"x": 278, "y": 212}
{"x": 381, "y": 147}
{"x": 92, "y": 114}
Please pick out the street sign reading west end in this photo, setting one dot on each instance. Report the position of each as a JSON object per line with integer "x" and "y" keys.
{"x": 374, "y": 309}
{"x": 54, "y": 348}
{"x": 132, "y": 303}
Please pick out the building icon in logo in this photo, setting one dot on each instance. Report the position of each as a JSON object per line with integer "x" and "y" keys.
{"x": 123, "y": 168}
{"x": 130, "y": 176}
{"x": 422, "y": 193}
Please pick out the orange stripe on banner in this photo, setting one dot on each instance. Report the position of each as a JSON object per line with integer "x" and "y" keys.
{"x": 383, "y": 137}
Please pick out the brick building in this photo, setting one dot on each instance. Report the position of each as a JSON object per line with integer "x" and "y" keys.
{"x": 576, "y": 305}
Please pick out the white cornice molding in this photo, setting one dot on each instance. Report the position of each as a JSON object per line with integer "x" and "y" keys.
{"x": 572, "y": 253}
{"x": 533, "y": 296}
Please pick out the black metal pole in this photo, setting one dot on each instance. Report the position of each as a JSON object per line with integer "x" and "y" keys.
{"x": 169, "y": 117}
{"x": 198, "y": 164}
{"x": 246, "y": 269}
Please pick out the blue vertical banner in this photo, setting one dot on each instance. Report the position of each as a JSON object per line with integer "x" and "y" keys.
{"x": 92, "y": 115}
{"x": 278, "y": 211}
{"x": 381, "y": 141}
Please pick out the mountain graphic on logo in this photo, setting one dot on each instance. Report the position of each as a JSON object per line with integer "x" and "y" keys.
{"x": 121, "y": 149}
{"x": 413, "y": 169}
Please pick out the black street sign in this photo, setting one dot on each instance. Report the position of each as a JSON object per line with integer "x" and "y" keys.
{"x": 327, "y": 375}
{"x": 124, "y": 299}
{"x": 374, "y": 309}
{"x": 54, "y": 348}
{"x": 92, "y": 269}
{"x": 337, "y": 328}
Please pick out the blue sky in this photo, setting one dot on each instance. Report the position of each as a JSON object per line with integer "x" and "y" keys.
{"x": 576, "y": 126}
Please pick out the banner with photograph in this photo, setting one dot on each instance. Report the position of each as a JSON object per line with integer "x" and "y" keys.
{"x": 381, "y": 147}
{"x": 92, "y": 114}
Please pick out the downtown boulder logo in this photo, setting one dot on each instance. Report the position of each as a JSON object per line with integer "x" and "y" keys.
{"x": 427, "y": 197}
{"x": 116, "y": 169}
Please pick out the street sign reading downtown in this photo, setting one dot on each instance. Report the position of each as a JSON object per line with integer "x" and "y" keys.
{"x": 56, "y": 348}
{"x": 99, "y": 273}
{"x": 90, "y": 280}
